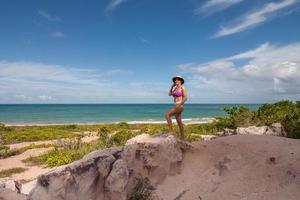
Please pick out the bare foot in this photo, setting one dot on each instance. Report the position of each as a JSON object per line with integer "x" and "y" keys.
{"x": 171, "y": 135}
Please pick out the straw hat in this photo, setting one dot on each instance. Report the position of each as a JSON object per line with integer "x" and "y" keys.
{"x": 178, "y": 77}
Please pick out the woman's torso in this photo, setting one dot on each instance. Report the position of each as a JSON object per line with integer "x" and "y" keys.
{"x": 178, "y": 95}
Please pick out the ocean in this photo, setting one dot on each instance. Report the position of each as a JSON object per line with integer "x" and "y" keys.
{"x": 41, "y": 114}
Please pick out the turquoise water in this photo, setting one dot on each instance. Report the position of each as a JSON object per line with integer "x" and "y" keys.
{"x": 103, "y": 113}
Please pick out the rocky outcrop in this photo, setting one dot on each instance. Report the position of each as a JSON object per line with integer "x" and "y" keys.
{"x": 275, "y": 129}
{"x": 11, "y": 189}
{"x": 82, "y": 179}
{"x": 112, "y": 173}
{"x": 117, "y": 181}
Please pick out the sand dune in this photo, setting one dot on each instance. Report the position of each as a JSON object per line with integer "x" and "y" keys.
{"x": 237, "y": 167}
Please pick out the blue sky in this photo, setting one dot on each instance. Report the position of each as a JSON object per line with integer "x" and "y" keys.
{"x": 127, "y": 51}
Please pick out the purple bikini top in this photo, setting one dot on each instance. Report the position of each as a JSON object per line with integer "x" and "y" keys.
{"x": 177, "y": 93}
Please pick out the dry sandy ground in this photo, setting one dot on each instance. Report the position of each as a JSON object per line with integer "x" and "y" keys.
{"x": 16, "y": 161}
{"x": 241, "y": 167}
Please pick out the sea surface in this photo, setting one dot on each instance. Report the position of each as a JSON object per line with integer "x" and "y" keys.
{"x": 42, "y": 114}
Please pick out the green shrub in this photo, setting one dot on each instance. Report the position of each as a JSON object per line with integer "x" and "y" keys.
{"x": 120, "y": 137}
{"x": 285, "y": 112}
{"x": 152, "y": 129}
{"x": 65, "y": 152}
{"x": 193, "y": 137}
{"x": 2, "y": 125}
{"x": 123, "y": 125}
{"x": 5, "y": 128}
{"x": 238, "y": 116}
{"x": 103, "y": 133}
{"x": 201, "y": 129}
{"x": 71, "y": 126}
{"x": 231, "y": 110}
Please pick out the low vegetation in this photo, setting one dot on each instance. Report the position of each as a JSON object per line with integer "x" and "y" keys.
{"x": 65, "y": 152}
{"x": 11, "y": 171}
{"x": 16, "y": 134}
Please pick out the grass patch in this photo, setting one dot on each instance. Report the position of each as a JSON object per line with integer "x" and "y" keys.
{"x": 6, "y": 152}
{"x": 65, "y": 152}
{"x": 9, "y": 172}
{"x": 34, "y": 133}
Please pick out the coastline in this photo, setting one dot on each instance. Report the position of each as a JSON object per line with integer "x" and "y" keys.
{"x": 90, "y": 114}
{"x": 186, "y": 121}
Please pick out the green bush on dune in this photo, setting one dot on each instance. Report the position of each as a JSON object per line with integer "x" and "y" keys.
{"x": 103, "y": 133}
{"x": 285, "y": 112}
{"x": 193, "y": 132}
{"x": 2, "y": 125}
{"x": 123, "y": 125}
{"x": 238, "y": 116}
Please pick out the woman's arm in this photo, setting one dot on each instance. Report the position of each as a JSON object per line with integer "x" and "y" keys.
{"x": 170, "y": 91}
{"x": 184, "y": 96}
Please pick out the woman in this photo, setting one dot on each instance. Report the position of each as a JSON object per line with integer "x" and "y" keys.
{"x": 180, "y": 96}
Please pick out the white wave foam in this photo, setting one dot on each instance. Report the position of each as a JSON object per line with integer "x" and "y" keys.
{"x": 185, "y": 121}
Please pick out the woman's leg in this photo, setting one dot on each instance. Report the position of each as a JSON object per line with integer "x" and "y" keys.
{"x": 180, "y": 124}
{"x": 169, "y": 121}
{"x": 171, "y": 112}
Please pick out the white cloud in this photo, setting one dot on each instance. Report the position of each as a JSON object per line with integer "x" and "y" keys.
{"x": 267, "y": 72}
{"x": 254, "y": 18}
{"x": 57, "y": 34}
{"x": 212, "y": 6}
{"x": 45, "y": 98}
{"x": 47, "y": 16}
{"x": 114, "y": 4}
{"x": 30, "y": 82}
{"x": 23, "y": 97}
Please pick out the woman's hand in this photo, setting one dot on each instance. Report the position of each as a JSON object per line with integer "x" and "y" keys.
{"x": 172, "y": 89}
{"x": 173, "y": 85}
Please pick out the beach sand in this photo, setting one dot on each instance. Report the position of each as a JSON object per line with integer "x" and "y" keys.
{"x": 186, "y": 121}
